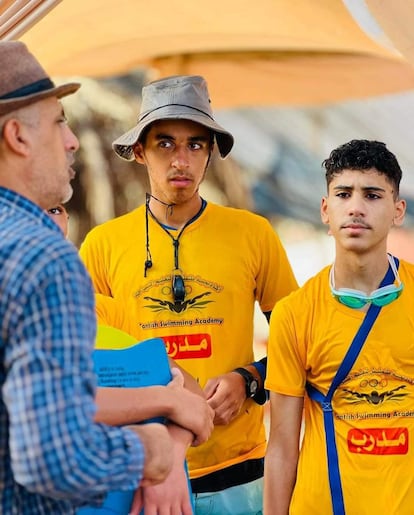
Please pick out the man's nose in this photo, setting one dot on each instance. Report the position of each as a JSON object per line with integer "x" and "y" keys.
{"x": 356, "y": 206}
{"x": 180, "y": 159}
{"x": 72, "y": 142}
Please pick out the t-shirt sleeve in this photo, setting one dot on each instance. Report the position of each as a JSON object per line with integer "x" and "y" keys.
{"x": 285, "y": 366}
{"x": 275, "y": 278}
{"x": 94, "y": 253}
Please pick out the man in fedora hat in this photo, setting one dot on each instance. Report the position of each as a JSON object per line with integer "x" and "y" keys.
{"x": 190, "y": 271}
{"x": 54, "y": 456}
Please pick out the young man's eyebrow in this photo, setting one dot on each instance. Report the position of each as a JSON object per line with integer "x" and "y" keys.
{"x": 199, "y": 138}
{"x": 364, "y": 188}
{"x": 162, "y": 135}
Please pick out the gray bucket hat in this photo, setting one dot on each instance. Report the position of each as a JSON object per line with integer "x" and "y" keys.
{"x": 174, "y": 98}
{"x": 23, "y": 81}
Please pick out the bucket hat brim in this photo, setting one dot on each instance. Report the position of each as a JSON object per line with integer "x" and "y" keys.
{"x": 124, "y": 145}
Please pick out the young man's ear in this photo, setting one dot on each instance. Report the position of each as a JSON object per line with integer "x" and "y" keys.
{"x": 324, "y": 211}
{"x": 399, "y": 213}
{"x": 139, "y": 153}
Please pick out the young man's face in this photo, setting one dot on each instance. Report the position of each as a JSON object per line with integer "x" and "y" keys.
{"x": 176, "y": 154}
{"x": 360, "y": 209}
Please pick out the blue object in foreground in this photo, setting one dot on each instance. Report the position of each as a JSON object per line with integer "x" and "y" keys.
{"x": 119, "y": 361}
{"x": 116, "y": 503}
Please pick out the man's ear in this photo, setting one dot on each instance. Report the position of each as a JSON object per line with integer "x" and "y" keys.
{"x": 324, "y": 211}
{"x": 15, "y": 136}
{"x": 399, "y": 213}
{"x": 139, "y": 153}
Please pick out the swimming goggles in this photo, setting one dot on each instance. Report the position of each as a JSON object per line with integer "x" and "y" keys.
{"x": 357, "y": 299}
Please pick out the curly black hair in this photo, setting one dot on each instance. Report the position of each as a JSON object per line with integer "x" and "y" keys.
{"x": 362, "y": 154}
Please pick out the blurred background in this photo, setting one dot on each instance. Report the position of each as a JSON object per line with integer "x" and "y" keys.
{"x": 291, "y": 79}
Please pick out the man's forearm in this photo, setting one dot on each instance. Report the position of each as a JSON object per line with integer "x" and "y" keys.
{"x": 279, "y": 481}
{"x": 121, "y": 406}
{"x": 282, "y": 453}
{"x": 182, "y": 437}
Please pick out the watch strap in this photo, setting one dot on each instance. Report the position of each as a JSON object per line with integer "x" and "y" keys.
{"x": 249, "y": 379}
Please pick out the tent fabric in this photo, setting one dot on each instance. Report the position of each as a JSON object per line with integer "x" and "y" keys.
{"x": 252, "y": 53}
{"x": 396, "y": 18}
{"x": 292, "y": 78}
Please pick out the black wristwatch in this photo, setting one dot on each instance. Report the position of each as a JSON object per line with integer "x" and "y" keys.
{"x": 252, "y": 384}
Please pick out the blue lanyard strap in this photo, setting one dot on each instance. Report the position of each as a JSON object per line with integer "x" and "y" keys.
{"x": 325, "y": 400}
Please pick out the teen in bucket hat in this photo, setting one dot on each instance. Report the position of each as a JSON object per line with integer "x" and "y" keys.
{"x": 174, "y": 98}
{"x": 190, "y": 272}
{"x": 23, "y": 80}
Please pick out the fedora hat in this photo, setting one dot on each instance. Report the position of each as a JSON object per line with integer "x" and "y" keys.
{"x": 23, "y": 80}
{"x": 180, "y": 97}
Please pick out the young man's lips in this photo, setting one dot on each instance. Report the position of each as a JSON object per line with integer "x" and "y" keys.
{"x": 355, "y": 226}
{"x": 180, "y": 180}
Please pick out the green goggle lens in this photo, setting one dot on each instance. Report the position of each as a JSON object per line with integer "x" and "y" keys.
{"x": 357, "y": 299}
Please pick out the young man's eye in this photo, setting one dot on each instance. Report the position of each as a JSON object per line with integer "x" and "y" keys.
{"x": 195, "y": 146}
{"x": 55, "y": 211}
{"x": 165, "y": 144}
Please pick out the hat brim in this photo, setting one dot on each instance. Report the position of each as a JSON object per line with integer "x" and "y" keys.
{"x": 11, "y": 104}
{"x": 124, "y": 145}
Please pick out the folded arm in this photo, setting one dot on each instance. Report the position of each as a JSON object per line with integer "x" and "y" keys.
{"x": 120, "y": 406}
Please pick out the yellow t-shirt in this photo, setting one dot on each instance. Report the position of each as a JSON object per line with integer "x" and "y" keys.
{"x": 229, "y": 258}
{"x": 310, "y": 333}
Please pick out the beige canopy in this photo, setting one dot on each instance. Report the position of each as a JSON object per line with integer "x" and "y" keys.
{"x": 396, "y": 18}
{"x": 279, "y": 52}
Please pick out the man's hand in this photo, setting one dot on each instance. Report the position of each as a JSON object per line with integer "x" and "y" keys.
{"x": 226, "y": 395}
{"x": 172, "y": 496}
{"x": 191, "y": 411}
{"x": 158, "y": 447}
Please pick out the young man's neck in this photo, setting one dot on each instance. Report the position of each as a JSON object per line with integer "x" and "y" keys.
{"x": 175, "y": 215}
{"x": 362, "y": 272}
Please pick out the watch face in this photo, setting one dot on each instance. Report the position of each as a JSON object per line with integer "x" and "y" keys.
{"x": 253, "y": 387}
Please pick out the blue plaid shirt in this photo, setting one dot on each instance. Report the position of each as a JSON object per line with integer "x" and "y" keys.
{"x": 53, "y": 457}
